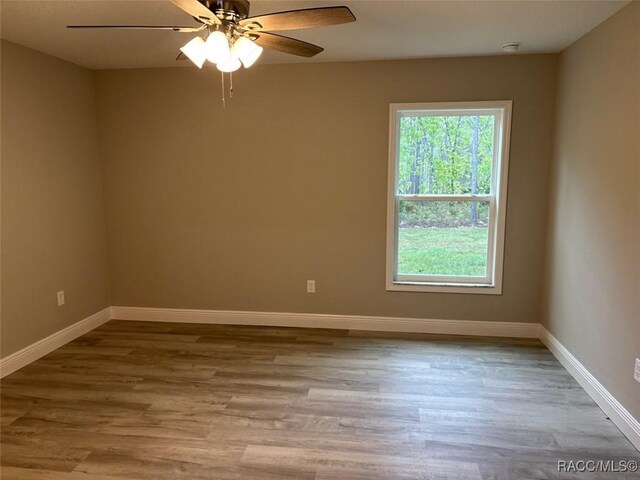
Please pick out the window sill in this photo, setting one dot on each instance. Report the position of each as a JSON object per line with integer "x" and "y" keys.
{"x": 443, "y": 288}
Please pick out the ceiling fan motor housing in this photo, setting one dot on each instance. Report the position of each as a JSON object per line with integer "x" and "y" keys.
{"x": 233, "y": 9}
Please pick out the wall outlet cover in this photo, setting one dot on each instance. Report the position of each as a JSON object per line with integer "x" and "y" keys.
{"x": 636, "y": 372}
{"x": 311, "y": 286}
{"x": 61, "y": 298}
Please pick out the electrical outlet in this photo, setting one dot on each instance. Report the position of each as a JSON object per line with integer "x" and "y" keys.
{"x": 61, "y": 298}
{"x": 636, "y": 372}
{"x": 311, "y": 286}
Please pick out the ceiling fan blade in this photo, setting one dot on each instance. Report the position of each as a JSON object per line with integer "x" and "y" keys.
{"x": 295, "y": 19}
{"x": 197, "y": 10}
{"x": 286, "y": 44}
{"x": 175, "y": 28}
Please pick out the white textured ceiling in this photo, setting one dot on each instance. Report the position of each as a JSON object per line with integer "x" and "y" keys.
{"x": 384, "y": 30}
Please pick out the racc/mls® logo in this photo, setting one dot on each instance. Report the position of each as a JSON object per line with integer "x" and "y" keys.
{"x": 599, "y": 466}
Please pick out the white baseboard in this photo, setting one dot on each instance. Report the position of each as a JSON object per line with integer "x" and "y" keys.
{"x": 316, "y": 320}
{"x": 31, "y": 353}
{"x": 619, "y": 415}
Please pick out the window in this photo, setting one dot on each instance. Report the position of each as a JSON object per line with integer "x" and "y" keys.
{"x": 447, "y": 196}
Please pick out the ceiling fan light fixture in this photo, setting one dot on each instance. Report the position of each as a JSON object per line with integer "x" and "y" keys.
{"x": 247, "y": 51}
{"x": 195, "y": 51}
{"x": 217, "y": 47}
{"x": 230, "y": 64}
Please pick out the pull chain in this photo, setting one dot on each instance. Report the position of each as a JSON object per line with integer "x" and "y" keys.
{"x": 224, "y": 103}
{"x": 231, "y": 85}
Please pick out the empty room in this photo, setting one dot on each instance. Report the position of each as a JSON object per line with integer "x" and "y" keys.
{"x": 351, "y": 240}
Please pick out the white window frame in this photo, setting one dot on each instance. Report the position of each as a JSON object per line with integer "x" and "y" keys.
{"x": 492, "y": 283}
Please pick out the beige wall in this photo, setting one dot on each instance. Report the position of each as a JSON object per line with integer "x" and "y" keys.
{"x": 592, "y": 295}
{"x": 236, "y": 209}
{"x": 53, "y": 227}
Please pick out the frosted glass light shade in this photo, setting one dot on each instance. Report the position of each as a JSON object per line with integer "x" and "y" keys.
{"x": 247, "y": 51}
{"x": 231, "y": 64}
{"x": 217, "y": 47}
{"x": 195, "y": 51}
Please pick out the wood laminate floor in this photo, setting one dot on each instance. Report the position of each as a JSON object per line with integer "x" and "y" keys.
{"x": 155, "y": 401}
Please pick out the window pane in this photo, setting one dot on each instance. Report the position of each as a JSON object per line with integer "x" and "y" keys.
{"x": 445, "y": 154}
{"x": 443, "y": 238}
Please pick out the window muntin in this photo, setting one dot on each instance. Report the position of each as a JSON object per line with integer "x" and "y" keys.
{"x": 447, "y": 196}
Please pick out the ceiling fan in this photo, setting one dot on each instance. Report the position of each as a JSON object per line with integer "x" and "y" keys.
{"x": 229, "y": 37}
